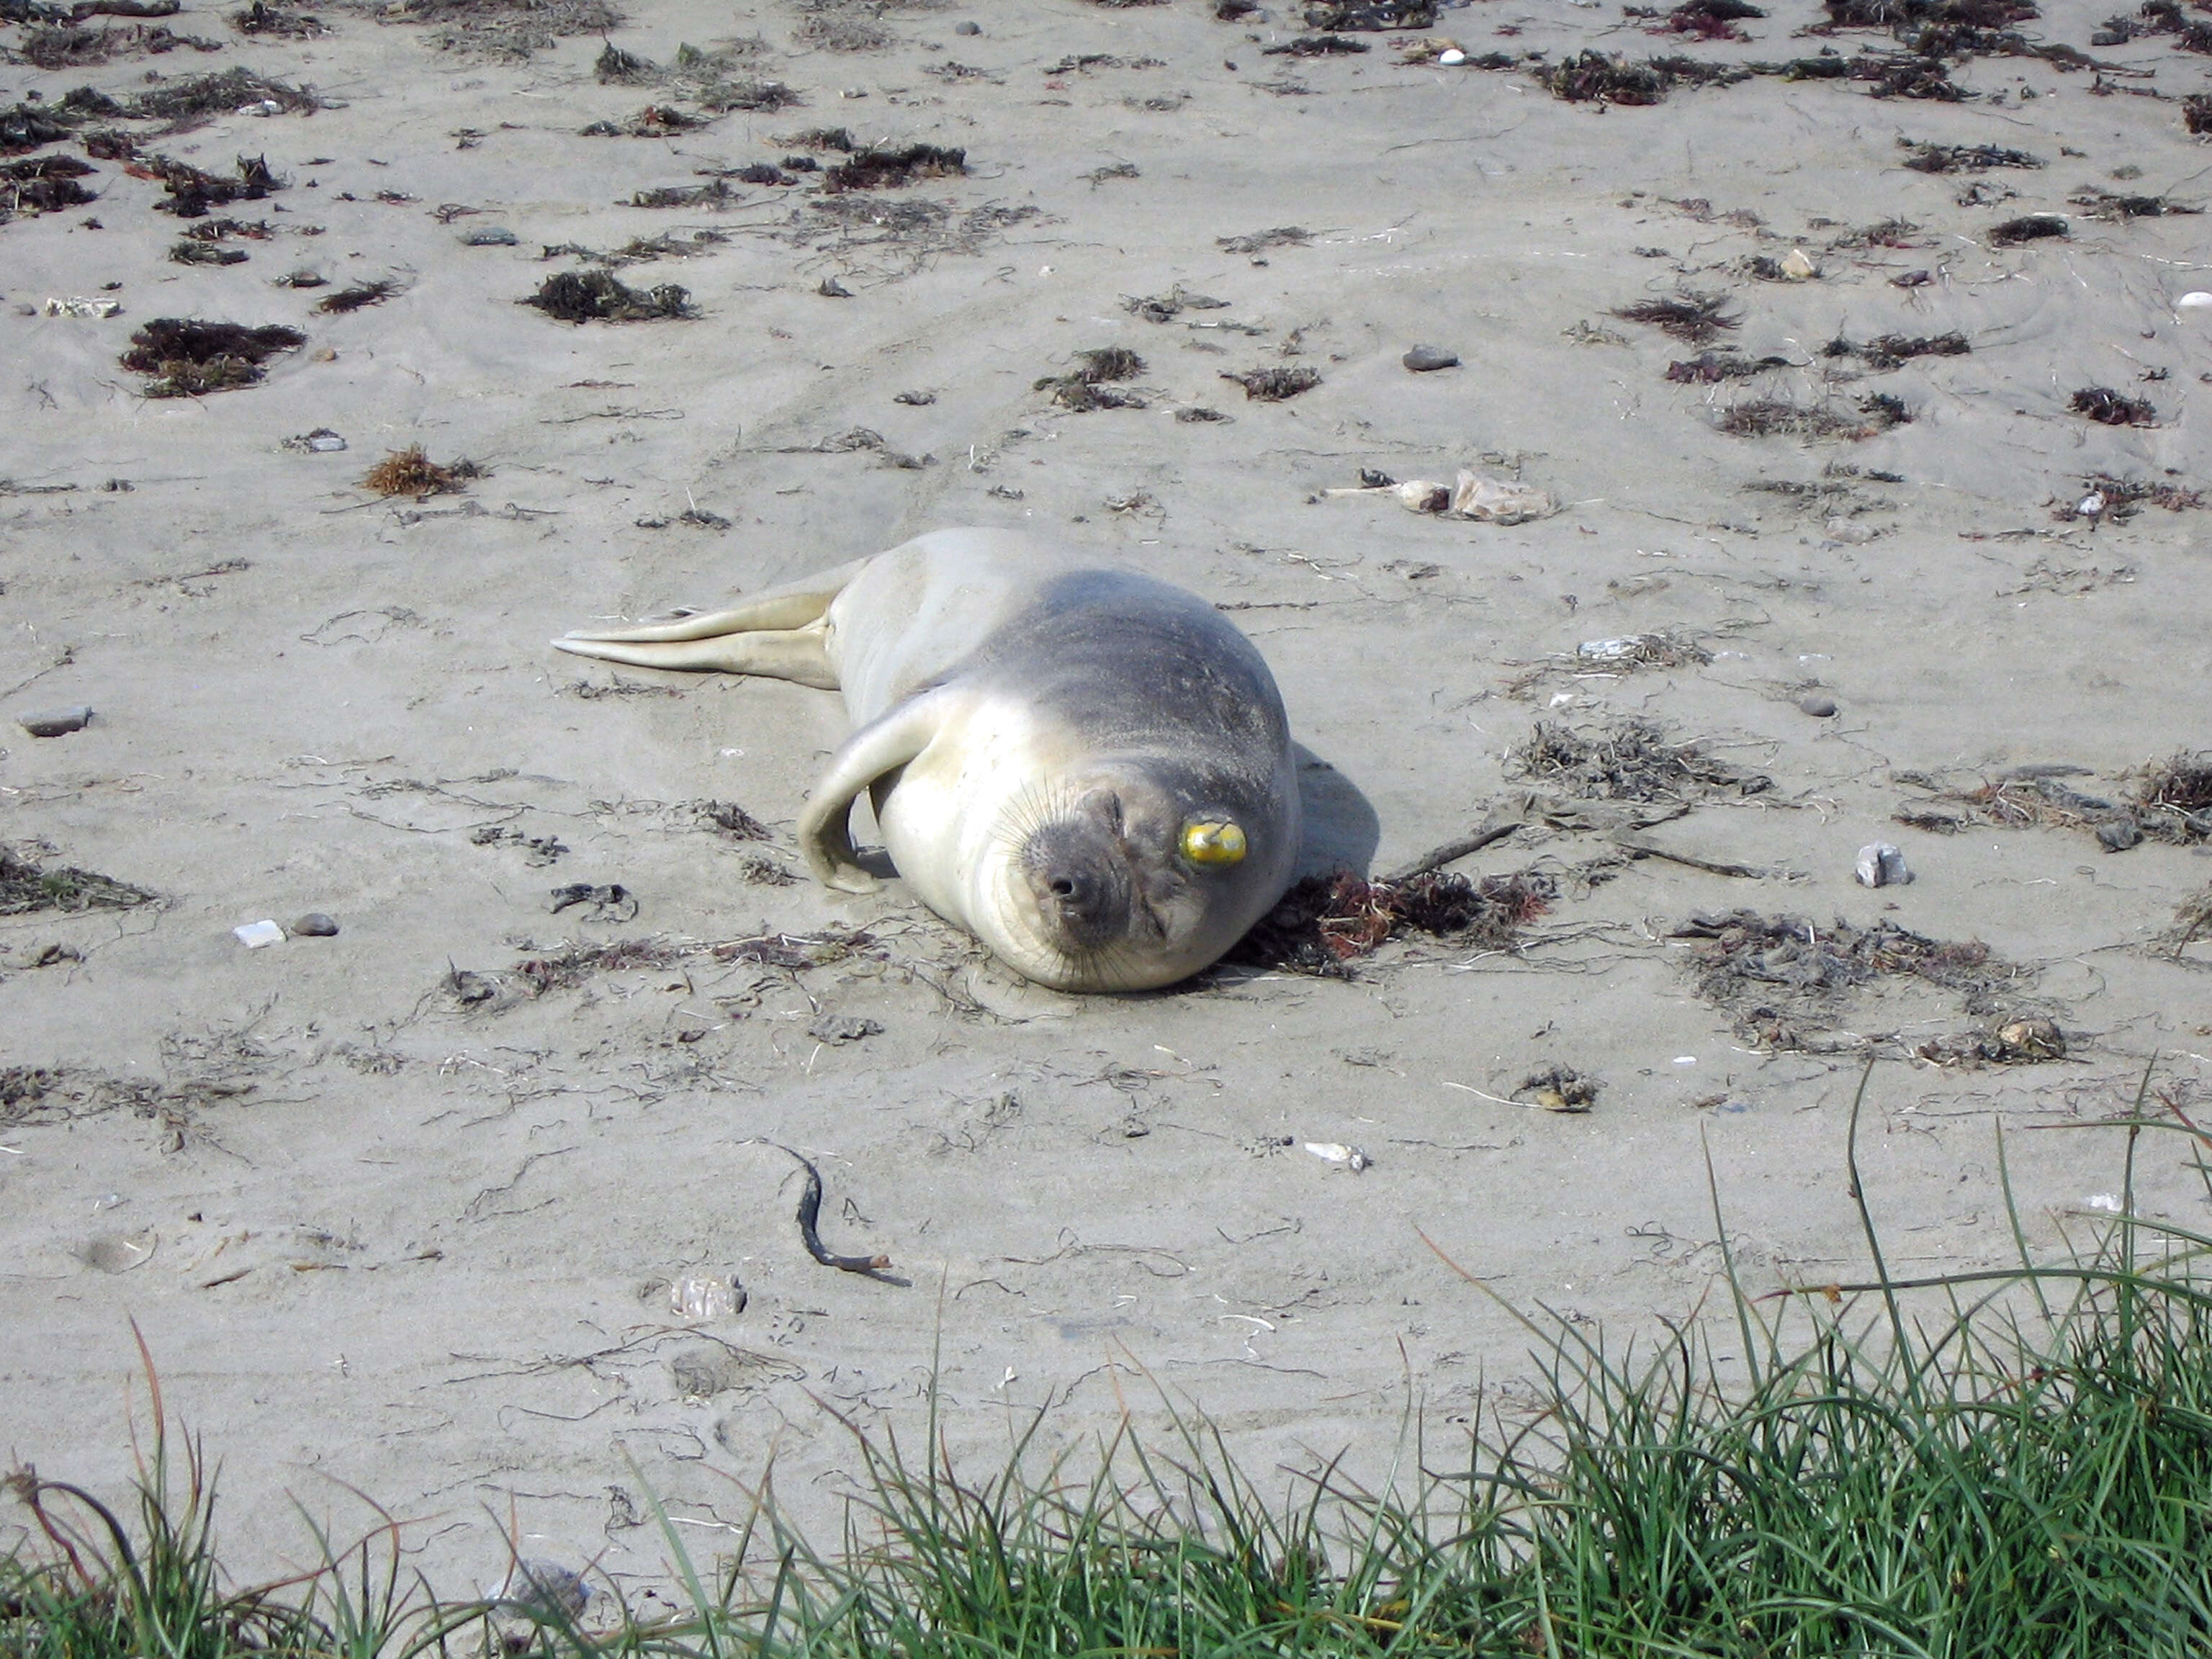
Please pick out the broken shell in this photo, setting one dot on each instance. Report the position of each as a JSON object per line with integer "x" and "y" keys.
{"x": 1797, "y": 266}
{"x": 1331, "y": 1151}
{"x": 1451, "y": 57}
{"x": 2091, "y": 505}
{"x": 2195, "y": 301}
{"x": 1881, "y": 865}
{"x": 2034, "y": 1039}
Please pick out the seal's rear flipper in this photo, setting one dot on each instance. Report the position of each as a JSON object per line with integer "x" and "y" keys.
{"x": 777, "y": 633}
{"x": 882, "y": 746}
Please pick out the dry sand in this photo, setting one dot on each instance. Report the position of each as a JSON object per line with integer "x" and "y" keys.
{"x": 376, "y": 1234}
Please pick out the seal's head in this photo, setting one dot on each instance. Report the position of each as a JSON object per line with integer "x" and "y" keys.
{"x": 1130, "y": 876}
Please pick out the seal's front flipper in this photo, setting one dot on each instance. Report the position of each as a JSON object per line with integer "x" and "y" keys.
{"x": 882, "y": 746}
{"x": 779, "y": 634}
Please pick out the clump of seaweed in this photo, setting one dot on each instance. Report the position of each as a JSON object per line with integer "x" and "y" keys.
{"x": 27, "y": 126}
{"x": 598, "y": 296}
{"x": 2103, "y": 204}
{"x": 1708, "y": 20}
{"x": 2173, "y": 799}
{"x": 2029, "y": 227}
{"x": 26, "y": 886}
{"x": 1783, "y": 979}
{"x": 188, "y": 358}
{"x": 2110, "y": 408}
{"x": 1377, "y": 15}
{"x": 273, "y": 23}
{"x": 872, "y": 167}
{"x": 1769, "y": 418}
{"x": 1272, "y": 385}
{"x": 409, "y": 471}
{"x": 1594, "y": 78}
{"x": 1324, "y": 923}
{"x": 654, "y": 121}
{"x": 2197, "y": 114}
{"x": 1688, "y": 315}
{"x": 713, "y": 196}
{"x": 43, "y": 184}
{"x": 1964, "y": 158}
{"x": 720, "y": 97}
{"x": 1630, "y": 759}
{"x": 510, "y": 29}
{"x": 1887, "y": 351}
{"x": 728, "y": 818}
{"x": 220, "y": 94}
{"x": 205, "y": 253}
{"x": 1711, "y": 367}
{"x": 1088, "y": 387}
{"x": 2126, "y": 497}
{"x": 1259, "y": 241}
{"x": 1166, "y": 307}
{"x": 358, "y": 296}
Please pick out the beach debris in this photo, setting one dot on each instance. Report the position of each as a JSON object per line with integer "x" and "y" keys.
{"x": 43, "y": 184}
{"x": 205, "y": 253}
{"x": 409, "y": 471}
{"x": 27, "y": 886}
{"x": 1166, "y": 307}
{"x": 1089, "y": 385}
{"x": 226, "y": 92}
{"x": 355, "y": 298}
{"x": 1688, "y": 315}
{"x": 727, "y": 819}
{"x": 321, "y": 441}
{"x": 703, "y": 1299}
{"x": 587, "y": 296}
{"x": 1711, "y": 367}
{"x": 1964, "y": 158}
{"x": 2105, "y": 496}
{"x": 56, "y": 722}
{"x": 1470, "y": 497}
{"x": 2110, "y": 408}
{"x": 2029, "y": 227}
{"x": 77, "y": 305}
{"x": 1323, "y": 923}
{"x": 810, "y": 1213}
{"x": 843, "y": 1028}
{"x": 508, "y": 29}
{"x": 1704, "y": 20}
{"x": 1888, "y": 351}
{"x": 1558, "y": 1088}
{"x": 254, "y": 935}
{"x": 1628, "y": 759}
{"x": 1784, "y": 979}
{"x": 488, "y": 236}
{"x": 1275, "y": 385}
{"x": 1427, "y": 358}
{"x": 1353, "y": 1158}
{"x": 314, "y": 925}
{"x": 1631, "y": 650}
{"x": 187, "y": 358}
{"x": 1819, "y": 705}
{"x": 2192, "y": 920}
{"x": 1259, "y": 241}
{"x": 541, "y": 1590}
{"x": 609, "y": 901}
{"x": 871, "y": 168}
{"x": 274, "y": 22}
{"x": 2016, "y": 1042}
{"x": 1767, "y": 418}
{"x": 2103, "y": 204}
{"x": 1881, "y": 865}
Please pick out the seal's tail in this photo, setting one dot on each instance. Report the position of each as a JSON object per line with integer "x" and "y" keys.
{"x": 777, "y": 633}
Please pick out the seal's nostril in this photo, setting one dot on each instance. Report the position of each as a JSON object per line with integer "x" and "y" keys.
{"x": 1063, "y": 888}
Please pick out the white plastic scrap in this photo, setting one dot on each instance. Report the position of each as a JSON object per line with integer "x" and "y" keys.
{"x": 704, "y": 1298}
{"x": 1485, "y": 500}
{"x": 1331, "y": 1151}
{"x": 78, "y": 306}
{"x": 255, "y": 934}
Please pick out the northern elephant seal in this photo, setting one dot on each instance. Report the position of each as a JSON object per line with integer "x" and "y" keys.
{"x": 1088, "y": 770}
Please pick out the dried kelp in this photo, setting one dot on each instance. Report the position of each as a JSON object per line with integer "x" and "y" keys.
{"x": 1324, "y": 923}
{"x": 188, "y": 359}
{"x": 1631, "y": 760}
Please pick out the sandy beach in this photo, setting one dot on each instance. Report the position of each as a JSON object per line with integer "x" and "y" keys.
{"x": 408, "y": 1208}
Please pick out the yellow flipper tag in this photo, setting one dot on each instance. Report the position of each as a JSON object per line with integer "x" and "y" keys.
{"x": 1212, "y": 843}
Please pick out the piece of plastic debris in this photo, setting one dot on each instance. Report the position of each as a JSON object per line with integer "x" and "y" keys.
{"x": 255, "y": 934}
{"x": 1486, "y": 501}
{"x": 55, "y": 722}
{"x": 76, "y": 305}
{"x": 2108, "y": 1201}
{"x": 1797, "y": 266}
{"x": 1818, "y": 707}
{"x": 706, "y": 1299}
{"x": 315, "y": 925}
{"x": 1332, "y": 1151}
{"x": 1451, "y": 57}
{"x": 1611, "y": 650}
{"x": 1881, "y": 865}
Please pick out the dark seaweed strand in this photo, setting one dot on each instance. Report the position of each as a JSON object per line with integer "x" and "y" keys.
{"x": 810, "y": 1215}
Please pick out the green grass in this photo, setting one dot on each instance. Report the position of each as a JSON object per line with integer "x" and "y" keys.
{"x": 2004, "y": 1464}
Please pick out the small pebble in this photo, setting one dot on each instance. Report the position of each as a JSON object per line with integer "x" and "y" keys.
{"x": 1881, "y": 865}
{"x": 55, "y": 722}
{"x": 1423, "y": 358}
{"x": 966, "y": 27}
{"x": 488, "y": 236}
{"x": 315, "y": 925}
{"x": 1820, "y": 707}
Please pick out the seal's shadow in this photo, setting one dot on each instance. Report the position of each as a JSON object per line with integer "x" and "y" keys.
{"x": 1341, "y": 829}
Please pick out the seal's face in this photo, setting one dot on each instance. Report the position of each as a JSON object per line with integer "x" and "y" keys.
{"x": 1114, "y": 883}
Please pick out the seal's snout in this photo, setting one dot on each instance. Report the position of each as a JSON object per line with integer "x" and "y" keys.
{"x": 1079, "y": 874}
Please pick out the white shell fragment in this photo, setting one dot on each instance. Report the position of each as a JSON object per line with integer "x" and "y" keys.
{"x": 1333, "y": 1151}
{"x": 706, "y": 1299}
{"x": 1451, "y": 57}
{"x": 1881, "y": 865}
{"x": 2194, "y": 300}
{"x": 77, "y": 306}
{"x": 2091, "y": 505}
{"x": 255, "y": 934}
{"x": 1611, "y": 650}
{"x": 1797, "y": 266}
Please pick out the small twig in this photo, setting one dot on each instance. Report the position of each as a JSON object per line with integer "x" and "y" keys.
{"x": 1452, "y": 851}
{"x": 1635, "y": 843}
{"x": 810, "y": 1213}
